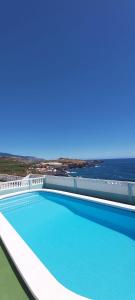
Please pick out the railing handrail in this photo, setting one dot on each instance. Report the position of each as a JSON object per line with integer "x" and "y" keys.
{"x": 66, "y": 178}
{"x": 92, "y": 179}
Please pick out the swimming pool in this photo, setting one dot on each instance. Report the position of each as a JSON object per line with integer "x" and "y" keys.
{"x": 87, "y": 246}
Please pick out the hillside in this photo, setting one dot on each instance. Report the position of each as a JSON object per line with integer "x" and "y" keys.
{"x": 23, "y": 165}
{"x": 13, "y": 166}
{"x": 8, "y": 155}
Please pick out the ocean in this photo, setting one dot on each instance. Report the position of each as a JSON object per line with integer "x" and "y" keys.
{"x": 114, "y": 169}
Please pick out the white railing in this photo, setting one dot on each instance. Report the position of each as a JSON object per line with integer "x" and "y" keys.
{"x": 21, "y": 184}
{"x": 37, "y": 181}
{"x": 122, "y": 191}
{"x": 13, "y": 184}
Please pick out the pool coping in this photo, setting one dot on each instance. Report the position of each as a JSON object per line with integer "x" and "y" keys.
{"x": 47, "y": 287}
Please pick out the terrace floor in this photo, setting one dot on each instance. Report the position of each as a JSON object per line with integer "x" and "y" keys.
{"x": 11, "y": 285}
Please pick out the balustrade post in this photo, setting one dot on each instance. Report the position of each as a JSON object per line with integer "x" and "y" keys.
{"x": 29, "y": 184}
{"x": 75, "y": 184}
{"x": 44, "y": 181}
{"x": 130, "y": 193}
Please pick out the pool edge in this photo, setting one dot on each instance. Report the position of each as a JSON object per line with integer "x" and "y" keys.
{"x": 31, "y": 268}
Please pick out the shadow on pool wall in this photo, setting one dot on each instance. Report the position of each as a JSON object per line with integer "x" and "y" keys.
{"x": 118, "y": 219}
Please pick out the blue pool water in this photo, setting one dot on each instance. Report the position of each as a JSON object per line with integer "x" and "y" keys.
{"x": 88, "y": 247}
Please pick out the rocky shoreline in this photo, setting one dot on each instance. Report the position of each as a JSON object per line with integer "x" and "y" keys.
{"x": 68, "y": 165}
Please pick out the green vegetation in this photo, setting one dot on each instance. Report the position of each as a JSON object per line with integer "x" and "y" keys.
{"x": 14, "y": 166}
{"x": 11, "y": 286}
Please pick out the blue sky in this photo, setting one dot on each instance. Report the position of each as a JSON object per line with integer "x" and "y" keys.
{"x": 67, "y": 78}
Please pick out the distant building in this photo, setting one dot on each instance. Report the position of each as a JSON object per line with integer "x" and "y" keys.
{"x": 53, "y": 163}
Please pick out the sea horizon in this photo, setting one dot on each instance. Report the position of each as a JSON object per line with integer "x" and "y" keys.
{"x": 111, "y": 169}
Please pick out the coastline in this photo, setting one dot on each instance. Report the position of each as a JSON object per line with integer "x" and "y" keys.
{"x": 69, "y": 165}
{"x": 110, "y": 169}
